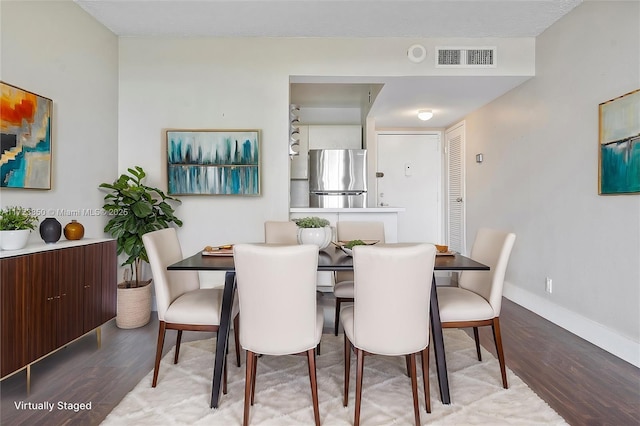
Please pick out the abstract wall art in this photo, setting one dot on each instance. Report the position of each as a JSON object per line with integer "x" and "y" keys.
{"x": 213, "y": 162}
{"x": 619, "y": 145}
{"x": 26, "y": 139}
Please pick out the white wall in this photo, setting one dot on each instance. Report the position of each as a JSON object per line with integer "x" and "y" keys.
{"x": 540, "y": 140}
{"x": 235, "y": 83}
{"x": 58, "y": 51}
{"x": 540, "y": 174}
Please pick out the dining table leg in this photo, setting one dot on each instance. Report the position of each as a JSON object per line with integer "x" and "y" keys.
{"x": 222, "y": 339}
{"x": 438, "y": 345}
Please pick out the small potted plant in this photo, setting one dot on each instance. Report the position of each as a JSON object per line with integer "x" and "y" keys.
{"x": 15, "y": 225}
{"x": 135, "y": 209}
{"x": 314, "y": 230}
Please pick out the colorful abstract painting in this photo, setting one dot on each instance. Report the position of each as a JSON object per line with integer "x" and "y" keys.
{"x": 26, "y": 139}
{"x": 620, "y": 145}
{"x": 213, "y": 162}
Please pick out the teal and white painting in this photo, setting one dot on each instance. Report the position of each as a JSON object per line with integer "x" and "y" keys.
{"x": 213, "y": 162}
{"x": 620, "y": 145}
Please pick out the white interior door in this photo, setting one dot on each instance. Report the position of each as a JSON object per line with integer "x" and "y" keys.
{"x": 411, "y": 168}
{"x": 454, "y": 148}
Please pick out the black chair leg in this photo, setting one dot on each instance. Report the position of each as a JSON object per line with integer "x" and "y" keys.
{"x": 236, "y": 336}
{"x": 477, "y": 338}
{"x": 178, "y": 340}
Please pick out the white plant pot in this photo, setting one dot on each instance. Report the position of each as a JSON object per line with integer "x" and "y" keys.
{"x": 318, "y": 236}
{"x": 14, "y": 240}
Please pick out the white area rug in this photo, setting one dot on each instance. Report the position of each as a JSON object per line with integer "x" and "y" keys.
{"x": 283, "y": 395}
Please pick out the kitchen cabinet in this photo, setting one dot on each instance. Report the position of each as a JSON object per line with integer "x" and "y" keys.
{"x": 51, "y": 297}
{"x": 342, "y": 136}
{"x": 320, "y": 136}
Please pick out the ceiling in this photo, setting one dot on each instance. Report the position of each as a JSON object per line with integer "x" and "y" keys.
{"x": 451, "y": 98}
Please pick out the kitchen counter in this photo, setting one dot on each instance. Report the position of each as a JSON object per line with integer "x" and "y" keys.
{"x": 386, "y": 215}
{"x": 346, "y": 210}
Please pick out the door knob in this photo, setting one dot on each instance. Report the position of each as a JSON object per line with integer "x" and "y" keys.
{"x": 379, "y": 174}
{"x": 459, "y": 199}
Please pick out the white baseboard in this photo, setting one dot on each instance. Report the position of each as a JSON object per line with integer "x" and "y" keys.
{"x": 591, "y": 331}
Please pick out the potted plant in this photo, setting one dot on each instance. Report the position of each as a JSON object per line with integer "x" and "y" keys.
{"x": 314, "y": 230}
{"x": 135, "y": 209}
{"x": 15, "y": 225}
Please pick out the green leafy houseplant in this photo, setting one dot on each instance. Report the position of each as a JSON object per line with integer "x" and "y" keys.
{"x": 136, "y": 209}
{"x": 311, "y": 222}
{"x": 17, "y": 218}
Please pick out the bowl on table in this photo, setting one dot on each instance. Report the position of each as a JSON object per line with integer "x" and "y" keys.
{"x": 441, "y": 248}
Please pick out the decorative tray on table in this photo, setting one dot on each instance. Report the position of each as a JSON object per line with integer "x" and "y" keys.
{"x": 347, "y": 246}
{"x": 446, "y": 253}
{"x": 224, "y": 250}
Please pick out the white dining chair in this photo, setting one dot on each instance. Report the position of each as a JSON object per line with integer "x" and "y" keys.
{"x": 390, "y": 314}
{"x": 289, "y": 323}
{"x": 280, "y": 232}
{"x": 477, "y": 299}
{"x": 181, "y": 303}
{"x": 347, "y": 231}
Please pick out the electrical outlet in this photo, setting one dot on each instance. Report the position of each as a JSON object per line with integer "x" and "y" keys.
{"x": 548, "y": 285}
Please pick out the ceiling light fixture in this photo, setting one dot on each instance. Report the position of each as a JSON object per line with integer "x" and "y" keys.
{"x": 425, "y": 114}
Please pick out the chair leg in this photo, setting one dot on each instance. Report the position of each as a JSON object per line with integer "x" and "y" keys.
{"x": 406, "y": 360}
{"x": 161, "y": 332}
{"x": 236, "y": 336}
{"x": 311, "y": 358}
{"x": 247, "y": 386}
{"x": 347, "y": 367}
{"x": 318, "y": 348}
{"x": 359, "y": 372}
{"x": 477, "y": 338}
{"x": 498, "y": 339}
{"x": 253, "y": 375}
{"x": 425, "y": 378}
{"x": 414, "y": 388}
{"x": 337, "y": 319}
{"x": 178, "y": 340}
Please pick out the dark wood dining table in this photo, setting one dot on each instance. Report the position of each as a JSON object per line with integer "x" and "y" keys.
{"x": 329, "y": 259}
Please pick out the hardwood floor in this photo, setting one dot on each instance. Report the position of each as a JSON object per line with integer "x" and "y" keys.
{"x": 584, "y": 384}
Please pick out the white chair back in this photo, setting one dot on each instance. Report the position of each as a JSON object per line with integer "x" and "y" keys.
{"x": 277, "y": 296}
{"x": 353, "y": 230}
{"x": 493, "y": 248}
{"x": 163, "y": 249}
{"x": 280, "y": 232}
{"x": 392, "y": 296}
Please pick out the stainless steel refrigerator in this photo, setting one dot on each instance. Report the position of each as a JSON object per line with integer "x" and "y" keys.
{"x": 337, "y": 178}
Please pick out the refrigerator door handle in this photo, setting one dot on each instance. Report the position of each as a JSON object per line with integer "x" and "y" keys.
{"x": 338, "y": 193}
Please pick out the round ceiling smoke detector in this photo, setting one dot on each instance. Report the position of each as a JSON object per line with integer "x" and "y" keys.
{"x": 416, "y": 53}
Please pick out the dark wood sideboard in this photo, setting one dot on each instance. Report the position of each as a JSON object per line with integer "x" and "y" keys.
{"x": 51, "y": 297}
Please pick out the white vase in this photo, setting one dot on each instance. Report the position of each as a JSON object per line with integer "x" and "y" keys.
{"x": 318, "y": 236}
{"x": 14, "y": 240}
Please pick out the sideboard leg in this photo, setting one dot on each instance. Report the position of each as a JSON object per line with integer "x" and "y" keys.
{"x": 99, "y": 336}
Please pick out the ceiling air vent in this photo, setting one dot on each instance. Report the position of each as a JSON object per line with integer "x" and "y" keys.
{"x": 466, "y": 57}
